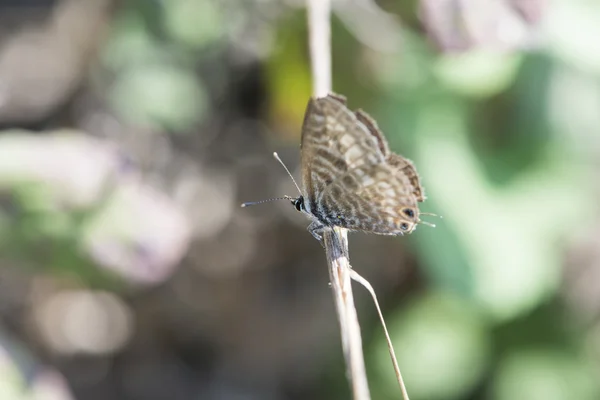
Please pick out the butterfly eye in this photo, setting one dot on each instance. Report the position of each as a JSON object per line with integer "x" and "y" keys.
{"x": 409, "y": 212}
{"x": 404, "y": 226}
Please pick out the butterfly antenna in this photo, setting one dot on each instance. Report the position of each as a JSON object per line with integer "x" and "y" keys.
{"x": 427, "y": 223}
{"x": 288, "y": 171}
{"x": 431, "y": 214}
{"x": 252, "y": 203}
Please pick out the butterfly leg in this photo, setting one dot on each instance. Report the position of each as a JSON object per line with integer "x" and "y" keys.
{"x": 316, "y": 229}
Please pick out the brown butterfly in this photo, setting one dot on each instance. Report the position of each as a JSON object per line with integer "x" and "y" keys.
{"x": 350, "y": 178}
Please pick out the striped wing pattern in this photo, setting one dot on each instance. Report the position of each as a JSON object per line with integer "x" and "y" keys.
{"x": 350, "y": 178}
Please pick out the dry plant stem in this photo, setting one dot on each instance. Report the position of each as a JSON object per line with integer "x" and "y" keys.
{"x": 336, "y": 249}
{"x": 358, "y": 278}
{"x": 319, "y": 31}
{"x": 336, "y": 240}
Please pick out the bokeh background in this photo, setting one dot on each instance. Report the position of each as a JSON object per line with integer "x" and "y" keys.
{"x": 132, "y": 130}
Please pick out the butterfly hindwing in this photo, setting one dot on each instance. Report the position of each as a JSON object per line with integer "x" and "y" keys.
{"x": 373, "y": 199}
{"x": 406, "y": 167}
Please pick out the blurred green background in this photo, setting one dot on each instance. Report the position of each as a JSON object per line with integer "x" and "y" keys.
{"x": 130, "y": 132}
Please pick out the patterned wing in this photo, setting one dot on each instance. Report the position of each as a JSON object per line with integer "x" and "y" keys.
{"x": 394, "y": 160}
{"x": 371, "y": 125}
{"x": 408, "y": 169}
{"x": 334, "y": 141}
{"x": 373, "y": 198}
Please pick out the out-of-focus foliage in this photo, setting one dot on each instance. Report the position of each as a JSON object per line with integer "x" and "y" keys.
{"x": 97, "y": 211}
{"x": 493, "y": 24}
{"x": 131, "y": 130}
{"x": 154, "y": 83}
{"x": 22, "y": 378}
{"x": 448, "y": 344}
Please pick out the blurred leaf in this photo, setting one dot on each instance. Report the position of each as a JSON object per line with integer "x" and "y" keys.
{"x": 40, "y": 167}
{"x": 442, "y": 346}
{"x": 509, "y": 234}
{"x": 496, "y": 242}
{"x": 160, "y": 96}
{"x": 477, "y": 73}
{"x": 573, "y": 28}
{"x": 131, "y": 42}
{"x": 445, "y": 259}
{"x": 511, "y": 132}
{"x": 544, "y": 375}
{"x": 575, "y": 122}
{"x": 120, "y": 236}
{"x": 67, "y": 206}
{"x": 376, "y": 29}
{"x": 407, "y": 73}
{"x": 194, "y": 22}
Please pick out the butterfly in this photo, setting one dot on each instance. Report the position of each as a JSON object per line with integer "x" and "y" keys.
{"x": 350, "y": 178}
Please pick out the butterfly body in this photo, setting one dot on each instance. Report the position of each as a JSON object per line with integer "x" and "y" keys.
{"x": 350, "y": 179}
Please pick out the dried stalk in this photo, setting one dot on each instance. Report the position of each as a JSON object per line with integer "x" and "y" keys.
{"x": 358, "y": 278}
{"x": 336, "y": 240}
{"x": 319, "y": 31}
{"x": 336, "y": 249}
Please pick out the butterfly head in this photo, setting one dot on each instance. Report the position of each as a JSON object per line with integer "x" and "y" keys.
{"x": 298, "y": 203}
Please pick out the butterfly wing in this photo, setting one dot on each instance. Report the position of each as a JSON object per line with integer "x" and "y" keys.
{"x": 334, "y": 141}
{"x": 373, "y": 198}
{"x": 407, "y": 168}
{"x": 350, "y": 178}
{"x": 374, "y": 130}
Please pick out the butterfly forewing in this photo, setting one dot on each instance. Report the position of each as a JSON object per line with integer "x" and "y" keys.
{"x": 333, "y": 141}
{"x": 372, "y": 127}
